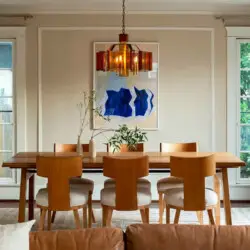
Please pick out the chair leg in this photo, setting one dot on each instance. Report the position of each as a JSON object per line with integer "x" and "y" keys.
{"x": 161, "y": 208}
{"x": 177, "y": 216}
{"x": 147, "y": 214}
{"x": 167, "y": 214}
{"x": 77, "y": 219}
{"x": 143, "y": 216}
{"x": 42, "y": 220}
{"x": 200, "y": 216}
{"x": 210, "y": 215}
{"x": 90, "y": 210}
{"x": 53, "y": 216}
{"x": 93, "y": 216}
{"x": 104, "y": 216}
{"x": 109, "y": 216}
{"x": 49, "y": 220}
{"x": 84, "y": 216}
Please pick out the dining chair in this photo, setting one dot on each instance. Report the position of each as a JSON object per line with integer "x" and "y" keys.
{"x": 60, "y": 195}
{"x": 124, "y": 149}
{"x": 193, "y": 196}
{"x": 126, "y": 195}
{"x": 172, "y": 182}
{"x": 86, "y": 183}
{"x": 139, "y": 147}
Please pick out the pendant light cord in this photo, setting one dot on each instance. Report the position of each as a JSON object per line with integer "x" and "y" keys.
{"x": 123, "y": 16}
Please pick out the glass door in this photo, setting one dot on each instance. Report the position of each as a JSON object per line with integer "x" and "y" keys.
{"x": 243, "y": 105}
{"x": 7, "y": 118}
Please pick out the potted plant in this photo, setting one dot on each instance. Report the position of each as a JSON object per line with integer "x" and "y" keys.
{"x": 124, "y": 135}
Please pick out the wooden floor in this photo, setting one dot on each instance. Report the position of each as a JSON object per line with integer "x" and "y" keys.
{"x": 96, "y": 204}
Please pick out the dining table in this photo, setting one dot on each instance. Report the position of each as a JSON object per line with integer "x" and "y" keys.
{"x": 158, "y": 162}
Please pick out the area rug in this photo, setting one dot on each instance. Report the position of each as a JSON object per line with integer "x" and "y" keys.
{"x": 65, "y": 220}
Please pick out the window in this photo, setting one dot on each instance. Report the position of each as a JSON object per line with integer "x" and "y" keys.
{"x": 244, "y": 106}
{"x": 6, "y": 104}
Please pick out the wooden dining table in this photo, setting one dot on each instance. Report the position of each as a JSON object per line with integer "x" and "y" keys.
{"x": 158, "y": 161}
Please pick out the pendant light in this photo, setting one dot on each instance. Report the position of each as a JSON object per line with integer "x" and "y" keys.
{"x": 124, "y": 58}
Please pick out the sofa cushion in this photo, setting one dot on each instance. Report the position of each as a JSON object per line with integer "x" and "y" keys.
{"x": 86, "y": 239}
{"x": 186, "y": 237}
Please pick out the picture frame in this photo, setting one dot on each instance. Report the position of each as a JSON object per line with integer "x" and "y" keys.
{"x": 142, "y": 85}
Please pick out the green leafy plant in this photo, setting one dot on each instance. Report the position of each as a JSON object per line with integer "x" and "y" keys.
{"x": 124, "y": 135}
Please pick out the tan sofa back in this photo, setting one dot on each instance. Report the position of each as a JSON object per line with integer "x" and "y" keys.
{"x": 187, "y": 237}
{"x": 90, "y": 239}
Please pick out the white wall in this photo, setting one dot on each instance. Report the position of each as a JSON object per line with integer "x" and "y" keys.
{"x": 192, "y": 77}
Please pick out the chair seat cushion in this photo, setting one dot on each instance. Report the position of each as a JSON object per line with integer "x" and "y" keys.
{"x": 78, "y": 196}
{"x": 87, "y": 183}
{"x": 108, "y": 196}
{"x": 110, "y": 183}
{"x": 169, "y": 183}
{"x": 175, "y": 197}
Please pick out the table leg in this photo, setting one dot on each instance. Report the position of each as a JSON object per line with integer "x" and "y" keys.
{"x": 217, "y": 190}
{"x": 31, "y": 196}
{"x": 22, "y": 198}
{"x": 227, "y": 204}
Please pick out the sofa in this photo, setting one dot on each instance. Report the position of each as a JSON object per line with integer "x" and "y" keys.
{"x": 145, "y": 237}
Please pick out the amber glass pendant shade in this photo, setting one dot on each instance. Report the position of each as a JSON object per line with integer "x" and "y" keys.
{"x": 124, "y": 58}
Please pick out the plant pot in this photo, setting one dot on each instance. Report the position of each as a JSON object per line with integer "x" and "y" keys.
{"x": 92, "y": 149}
{"x": 79, "y": 146}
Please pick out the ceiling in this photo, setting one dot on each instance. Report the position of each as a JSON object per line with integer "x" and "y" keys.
{"x": 81, "y": 6}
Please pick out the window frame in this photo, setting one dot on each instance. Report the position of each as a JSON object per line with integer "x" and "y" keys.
{"x": 17, "y": 34}
{"x": 235, "y": 36}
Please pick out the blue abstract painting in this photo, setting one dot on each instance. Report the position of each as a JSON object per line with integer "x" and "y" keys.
{"x": 131, "y": 100}
{"x": 117, "y": 103}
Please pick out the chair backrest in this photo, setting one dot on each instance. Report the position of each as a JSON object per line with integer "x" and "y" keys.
{"x": 193, "y": 170}
{"x": 179, "y": 147}
{"x": 124, "y": 148}
{"x": 126, "y": 171}
{"x": 69, "y": 147}
{"x": 58, "y": 170}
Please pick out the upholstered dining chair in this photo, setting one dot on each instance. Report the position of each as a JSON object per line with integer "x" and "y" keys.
{"x": 193, "y": 196}
{"x": 172, "y": 182}
{"x": 124, "y": 149}
{"x": 126, "y": 195}
{"x": 86, "y": 183}
{"x": 60, "y": 195}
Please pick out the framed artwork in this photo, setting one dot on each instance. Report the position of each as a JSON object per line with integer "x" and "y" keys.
{"x": 129, "y": 100}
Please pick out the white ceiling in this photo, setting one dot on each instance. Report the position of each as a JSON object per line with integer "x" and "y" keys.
{"x": 77, "y": 6}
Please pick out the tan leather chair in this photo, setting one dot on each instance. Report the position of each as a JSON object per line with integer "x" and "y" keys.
{"x": 126, "y": 195}
{"x": 193, "y": 196}
{"x": 172, "y": 182}
{"x": 87, "y": 183}
{"x": 124, "y": 149}
{"x": 60, "y": 195}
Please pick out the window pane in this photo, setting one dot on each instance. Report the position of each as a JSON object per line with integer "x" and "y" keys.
{"x": 245, "y": 110}
{"x": 6, "y": 79}
{"x": 6, "y": 104}
{"x": 245, "y": 55}
{"x": 245, "y": 171}
{"x": 5, "y": 172}
{"x": 6, "y": 117}
{"x": 6, "y": 137}
{"x": 244, "y": 83}
{"x": 245, "y": 138}
{"x": 5, "y": 55}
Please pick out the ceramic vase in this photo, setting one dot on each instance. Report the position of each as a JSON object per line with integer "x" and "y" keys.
{"x": 92, "y": 149}
{"x": 79, "y": 146}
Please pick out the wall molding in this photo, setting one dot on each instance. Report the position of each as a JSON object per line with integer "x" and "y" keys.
{"x": 41, "y": 29}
